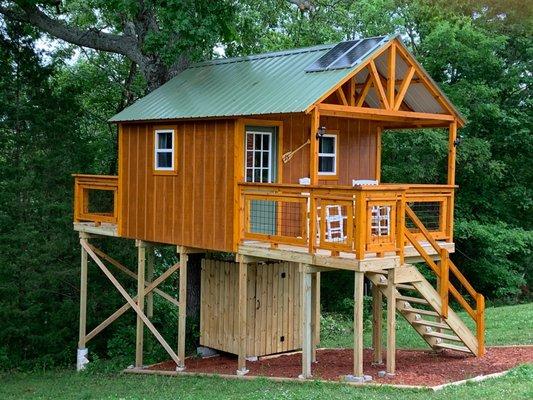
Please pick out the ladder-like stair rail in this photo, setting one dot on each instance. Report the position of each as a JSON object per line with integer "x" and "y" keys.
{"x": 443, "y": 271}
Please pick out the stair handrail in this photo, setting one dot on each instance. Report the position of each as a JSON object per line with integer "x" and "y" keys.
{"x": 443, "y": 272}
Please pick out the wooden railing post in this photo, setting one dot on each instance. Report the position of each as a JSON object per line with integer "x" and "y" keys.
{"x": 444, "y": 281}
{"x": 400, "y": 227}
{"x": 360, "y": 225}
{"x": 480, "y": 324}
{"x": 312, "y": 222}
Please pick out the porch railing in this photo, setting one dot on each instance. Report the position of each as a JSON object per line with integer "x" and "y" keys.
{"x": 96, "y": 198}
{"x": 356, "y": 220}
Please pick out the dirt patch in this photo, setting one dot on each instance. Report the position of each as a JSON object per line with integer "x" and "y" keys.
{"x": 413, "y": 367}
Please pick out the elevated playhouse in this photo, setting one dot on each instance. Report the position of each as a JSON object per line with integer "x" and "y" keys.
{"x": 276, "y": 158}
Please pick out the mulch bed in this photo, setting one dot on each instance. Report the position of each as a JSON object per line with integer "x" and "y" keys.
{"x": 413, "y": 367}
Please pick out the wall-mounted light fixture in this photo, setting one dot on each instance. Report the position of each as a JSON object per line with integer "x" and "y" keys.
{"x": 321, "y": 132}
{"x": 458, "y": 140}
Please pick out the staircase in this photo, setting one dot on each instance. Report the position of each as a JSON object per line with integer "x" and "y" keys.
{"x": 426, "y": 308}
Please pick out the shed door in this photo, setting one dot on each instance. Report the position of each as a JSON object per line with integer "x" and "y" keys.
{"x": 261, "y": 167}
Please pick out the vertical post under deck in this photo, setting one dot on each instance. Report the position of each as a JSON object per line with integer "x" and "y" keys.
{"x": 182, "y": 319}
{"x": 377, "y": 324}
{"x": 82, "y": 351}
{"x": 141, "y": 265}
{"x": 305, "y": 313}
{"x": 391, "y": 323}
{"x": 243, "y": 299}
{"x": 358, "y": 324}
{"x": 315, "y": 313}
{"x": 149, "y": 278}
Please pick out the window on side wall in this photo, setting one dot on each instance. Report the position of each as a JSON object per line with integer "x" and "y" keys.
{"x": 165, "y": 147}
{"x": 327, "y": 154}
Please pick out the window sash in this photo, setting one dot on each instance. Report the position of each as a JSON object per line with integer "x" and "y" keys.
{"x": 332, "y": 155}
{"x": 158, "y": 151}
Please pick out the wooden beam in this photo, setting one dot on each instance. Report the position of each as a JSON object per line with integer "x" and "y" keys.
{"x": 391, "y": 323}
{"x": 182, "y": 317}
{"x": 127, "y": 306}
{"x": 83, "y": 297}
{"x": 403, "y": 87}
{"x": 313, "y": 156}
{"x": 130, "y": 301}
{"x": 243, "y": 299}
{"x": 305, "y": 315}
{"x": 352, "y": 91}
{"x": 133, "y": 275}
{"x": 378, "y": 85}
{"x": 364, "y": 91}
{"x": 391, "y": 80}
{"x": 341, "y": 96}
{"x": 141, "y": 265}
{"x": 379, "y": 131}
{"x": 377, "y": 114}
{"x": 377, "y": 325}
{"x": 315, "y": 313}
{"x": 358, "y": 324}
{"x": 422, "y": 76}
{"x": 452, "y": 136}
{"x": 149, "y": 278}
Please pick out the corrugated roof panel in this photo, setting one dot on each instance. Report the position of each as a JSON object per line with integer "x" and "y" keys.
{"x": 262, "y": 84}
{"x": 421, "y": 100}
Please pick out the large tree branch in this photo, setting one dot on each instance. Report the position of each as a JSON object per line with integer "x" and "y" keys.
{"x": 122, "y": 44}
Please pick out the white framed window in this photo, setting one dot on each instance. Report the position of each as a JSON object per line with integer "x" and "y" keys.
{"x": 164, "y": 149}
{"x": 259, "y": 152}
{"x": 327, "y": 154}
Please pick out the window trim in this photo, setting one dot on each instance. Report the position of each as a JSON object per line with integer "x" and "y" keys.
{"x": 156, "y": 150}
{"x": 334, "y": 155}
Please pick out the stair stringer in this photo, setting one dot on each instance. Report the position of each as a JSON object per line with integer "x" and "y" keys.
{"x": 427, "y": 291}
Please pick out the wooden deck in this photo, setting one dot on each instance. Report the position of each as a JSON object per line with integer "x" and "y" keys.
{"x": 103, "y": 229}
{"x": 344, "y": 260}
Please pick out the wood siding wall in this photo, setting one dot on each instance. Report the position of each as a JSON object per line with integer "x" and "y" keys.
{"x": 193, "y": 207}
{"x": 357, "y": 147}
{"x": 273, "y": 307}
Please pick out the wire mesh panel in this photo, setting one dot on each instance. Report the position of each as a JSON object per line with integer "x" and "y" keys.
{"x": 431, "y": 214}
{"x": 276, "y": 219}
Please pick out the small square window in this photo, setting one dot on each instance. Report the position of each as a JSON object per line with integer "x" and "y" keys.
{"x": 327, "y": 154}
{"x": 164, "y": 150}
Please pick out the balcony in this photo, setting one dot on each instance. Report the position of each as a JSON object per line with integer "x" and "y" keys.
{"x": 358, "y": 222}
{"x": 96, "y": 204}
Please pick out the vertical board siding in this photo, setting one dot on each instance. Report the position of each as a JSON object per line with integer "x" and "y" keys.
{"x": 190, "y": 208}
{"x": 357, "y": 147}
{"x": 272, "y": 307}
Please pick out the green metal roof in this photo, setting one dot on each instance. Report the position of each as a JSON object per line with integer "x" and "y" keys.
{"x": 261, "y": 84}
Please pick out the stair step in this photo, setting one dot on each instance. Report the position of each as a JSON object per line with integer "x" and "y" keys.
{"x": 405, "y": 286}
{"x": 421, "y": 311}
{"x": 433, "y": 324}
{"x": 443, "y": 336}
{"x": 412, "y": 299}
{"x": 453, "y": 347}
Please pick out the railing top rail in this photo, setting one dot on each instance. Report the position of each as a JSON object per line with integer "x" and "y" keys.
{"x": 95, "y": 177}
{"x": 384, "y": 186}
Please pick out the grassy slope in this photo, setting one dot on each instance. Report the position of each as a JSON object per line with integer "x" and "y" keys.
{"x": 505, "y": 325}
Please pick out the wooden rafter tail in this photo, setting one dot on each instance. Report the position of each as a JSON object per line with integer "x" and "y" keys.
{"x": 131, "y": 302}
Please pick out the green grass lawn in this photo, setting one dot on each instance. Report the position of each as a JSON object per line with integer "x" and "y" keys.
{"x": 505, "y": 325}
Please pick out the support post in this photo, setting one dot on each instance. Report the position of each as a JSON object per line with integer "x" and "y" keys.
{"x": 452, "y": 135}
{"x": 313, "y": 156}
{"x": 149, "y": 278}
{"x": 182, "y": 319}
{"x": 358, "y": 324}
{"x": 305, "y": 313}
{"x": 391, "y": 323}
{"x": 377, "y": 325}
{"x": 315, "y": 313}
{"x": 82, "y": 350}
{"x": 141, "y": 265}
{"x": 243, "y": 299}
